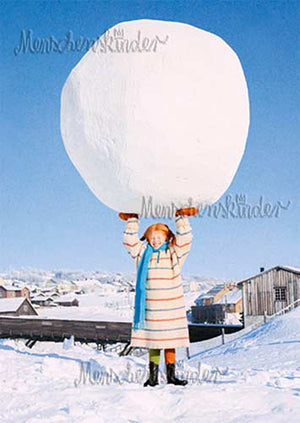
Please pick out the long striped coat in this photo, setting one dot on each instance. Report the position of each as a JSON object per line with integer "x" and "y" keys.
{"x": 165, "y": 315}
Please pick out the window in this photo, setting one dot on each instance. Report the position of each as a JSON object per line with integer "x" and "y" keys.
{"x": 280, "y": 293}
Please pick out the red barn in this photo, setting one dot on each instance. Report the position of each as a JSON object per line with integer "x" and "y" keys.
{"x": 11, "y": 291}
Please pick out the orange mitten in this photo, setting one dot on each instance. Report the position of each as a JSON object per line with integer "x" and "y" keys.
{"x": 189, "y": 211}
{"x": 126, "y": 216}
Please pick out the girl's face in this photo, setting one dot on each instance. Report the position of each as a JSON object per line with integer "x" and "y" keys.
{"x": 157, "y": 238}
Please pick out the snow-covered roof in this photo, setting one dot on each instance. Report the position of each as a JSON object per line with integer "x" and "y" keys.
{"x": 288, "y": 268}
{"x": 65, "y": 298}
{"x": 47, "y": 293}
{"x": 212, "y": 292}
{"x": 10, "y": 304}
{"x": 41, "y": 298}
{"x": 292, "y": 269}
{"x": 12, "y": 287}
{"x": 231, "y": 297}
{"x": 34, "y": 286}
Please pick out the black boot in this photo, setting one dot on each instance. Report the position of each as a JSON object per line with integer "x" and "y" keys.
{"x": 153, "y": 378}
{"x": 171, "y": 376}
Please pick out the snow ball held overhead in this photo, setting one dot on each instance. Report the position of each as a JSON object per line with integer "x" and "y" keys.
{"x": 156, "y": 109}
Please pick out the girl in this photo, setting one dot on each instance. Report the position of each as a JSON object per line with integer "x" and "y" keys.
{"x": 160, "y": 320}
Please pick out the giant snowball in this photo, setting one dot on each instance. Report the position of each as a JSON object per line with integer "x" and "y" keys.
{"x": 156, "y": 110}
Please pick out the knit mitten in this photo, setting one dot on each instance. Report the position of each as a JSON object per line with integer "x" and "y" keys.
{"x": 126, "y": 216}
{"x": 189, "y": 211}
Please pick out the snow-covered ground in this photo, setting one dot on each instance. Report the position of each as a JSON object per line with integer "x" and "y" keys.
{"x": 255, "y": 378}
{"x": 112, "y": 307}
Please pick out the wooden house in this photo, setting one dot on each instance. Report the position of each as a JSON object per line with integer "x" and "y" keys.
{"x": 232, "y": 300}
{"x": 16, "y": 307}
{"x": 67, "y": 301}
{"x": 213, "y": 306}
{"x": 270, "y": 290}
{"x": 228, "y": 294}
{"x": 42, "y": 300}
{"x": 211, "y": 296}
{"x": 11, "y": 291}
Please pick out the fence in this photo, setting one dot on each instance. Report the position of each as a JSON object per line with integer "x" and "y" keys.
{"x": 282, "y": 311}
{"x": 224, "y": 338}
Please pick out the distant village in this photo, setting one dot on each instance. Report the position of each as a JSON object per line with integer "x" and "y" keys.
{"x": 18, "y": 298}
{"x": 233, "y": 303}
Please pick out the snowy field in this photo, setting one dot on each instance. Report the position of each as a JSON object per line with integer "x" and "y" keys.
{"x": 113, "y": 307}
{"x": 255, "y": 378}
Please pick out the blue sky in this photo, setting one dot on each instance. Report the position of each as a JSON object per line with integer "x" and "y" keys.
{"x": 50, "y": 219}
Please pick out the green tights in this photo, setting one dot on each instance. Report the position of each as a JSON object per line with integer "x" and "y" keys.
{"x": 170, "y": 355}
{"x": 154, "y": 355}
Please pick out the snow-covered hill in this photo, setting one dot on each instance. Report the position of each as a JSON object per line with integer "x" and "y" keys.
{"x": 273, "y": 346}
{"x": 255, "y": 378}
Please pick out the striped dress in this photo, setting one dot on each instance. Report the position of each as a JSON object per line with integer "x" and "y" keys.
{"x": 165, "y": 315}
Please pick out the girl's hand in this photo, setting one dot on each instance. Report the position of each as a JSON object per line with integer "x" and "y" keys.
{"x": 126, "y": 216}
{"x": 189, "y": 211}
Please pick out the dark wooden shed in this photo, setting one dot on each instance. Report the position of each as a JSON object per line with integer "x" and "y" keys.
{"x": 214, "y": 313}
{"x": 67, "y": 301}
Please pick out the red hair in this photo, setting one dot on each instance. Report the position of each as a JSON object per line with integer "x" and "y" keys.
{"x": 161, "y": 227}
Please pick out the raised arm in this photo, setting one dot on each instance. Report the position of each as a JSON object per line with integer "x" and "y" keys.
{"x": 131, "y": 239}
{"x": 184, "y": 234}
{"x": 184, "y": 238}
